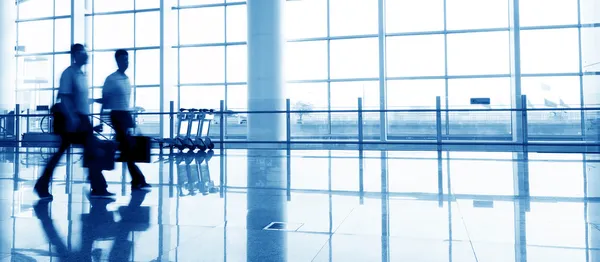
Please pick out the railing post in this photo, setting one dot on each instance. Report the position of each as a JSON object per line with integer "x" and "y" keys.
{"x": 222, "y": 173}
{"x": 288, "y": 123}
{"x": 17, "y": 126}
{"x": 438, "y": 122}
{"x": 360, "y": 124}
{"x": 171, "y": 118}
{"x": 525, "y": 132}
{"x": 222, "y": 126}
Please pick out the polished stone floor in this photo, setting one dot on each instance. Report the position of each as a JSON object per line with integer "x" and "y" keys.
{"x": 310, "y": 206}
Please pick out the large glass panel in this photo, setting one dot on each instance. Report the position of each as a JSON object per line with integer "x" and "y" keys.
{"x": 306, "y": 19}
{"x": 237, "y": 28}
{"x": 36, "y": 36}
{"x": 201, "y": 96}
{"x": 591, "y": 96}
{"x": 62, "y": 35}
{"x": 104, "y": 64}
{"x": 413, "y": 94}
{"x": 306, "y": 60}
{"x": 590, "y": 54}
{"x": 553, "y": 94}
{"x": 344, "y": 96}
{"x": 149, "y": 99}
{"x": 547, "y": 12}
{"x": 483, "y": 123}
{"x": 147, "y": 29}
{"x": 478, "y": 53}
{"x": 353, "y": 17}
{"x": 29, "y": 99}
{"x": 237, "y": 100}
{"x": 476, "y": 14}
{"x": 35, "y": 9}
{"x": 589, "y": 11}
{"x": 106, "y": 35}
{"x": 147, "y": 67}
{"x": 550, "y": 51}
{"x": 34, "y": 72}
{"x": 237, "y": 63}
{"x": 202, "y": 65}
{"x": 415, "y": 55}
{"x": 147, "y": 4}
{"x": 354, "y": 58}
{"x": 62, "y": 7}
{"x": 199, "y": 2}
{"x": 202, "y": 25}
{"x": 112, "y": 5}
{"x": 61, "y": 62}
{"x": 306, "y": 97}
{"x": 414, "y": 16}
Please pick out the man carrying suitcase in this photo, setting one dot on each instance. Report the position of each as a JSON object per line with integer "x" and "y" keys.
{"x": 116, "y": 96}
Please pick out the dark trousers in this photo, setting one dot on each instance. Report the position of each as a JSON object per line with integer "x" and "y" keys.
{"x": 84, "y": 136}
{"x": 122, "y": 121}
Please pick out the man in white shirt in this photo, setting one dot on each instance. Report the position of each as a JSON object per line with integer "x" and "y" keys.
{"x": 73, "y": 125}
{"x": 116, "y": 97}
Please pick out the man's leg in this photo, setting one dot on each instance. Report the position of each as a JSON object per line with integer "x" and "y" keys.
{"x": 90, "y": 147}
{"x": 118, "y": 119}
{"x": 42, "y": 184}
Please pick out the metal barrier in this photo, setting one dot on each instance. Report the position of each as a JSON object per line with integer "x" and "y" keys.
{"x": 432, "y": 126}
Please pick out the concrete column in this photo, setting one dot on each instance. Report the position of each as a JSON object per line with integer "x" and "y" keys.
{"x": 8, "y": 30}
{"x": 266, "y": 83}
{"x": 168, "y": 58}
{"x": 592, "y": 169}
{"x": 266, "y": 168}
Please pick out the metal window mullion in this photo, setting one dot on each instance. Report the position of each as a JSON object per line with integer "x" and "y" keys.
{"x": 53, "y": 49}
{"x": 135, "y": 54}
{"x": 581, "y": 88}
{"x": 446, "y": 80}
{"x": 382, "y": 71}
{"x": 178, "y": 56}
{"x": 330, "y": 129}
{"x": 226, "y": 86}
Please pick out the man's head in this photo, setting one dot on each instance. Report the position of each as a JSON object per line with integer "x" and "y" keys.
{"x": 122, "y": 58}
{"x": 79, "y": 55}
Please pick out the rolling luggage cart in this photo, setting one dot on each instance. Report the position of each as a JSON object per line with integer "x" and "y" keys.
{"x": 202, "y": 140}
{"x": 182, "y": 140}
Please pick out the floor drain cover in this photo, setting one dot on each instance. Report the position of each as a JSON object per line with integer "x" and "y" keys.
{"x": 283, "y": 226}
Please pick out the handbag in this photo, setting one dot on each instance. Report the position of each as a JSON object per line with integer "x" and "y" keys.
{"x": 103, "y": 155}
{"x": 139, "y": 151}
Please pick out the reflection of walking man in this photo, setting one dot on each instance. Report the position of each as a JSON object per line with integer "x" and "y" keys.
{"x": 116, "y": 97}
{"x": 74, "y": 126}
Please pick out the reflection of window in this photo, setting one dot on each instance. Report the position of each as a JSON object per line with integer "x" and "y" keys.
{"x": 306, "y": 60}
{"x": 414, "y": 16}
{"x": 147, "y": 67}
{"x": 353, "y": 17}
{"x": 477, "y": 14}
{"x": 355, "y": 58}
{"x": 547, "y": 12}
{"x": 201, "y": 25}
{"x": 36, "y": 36}
{"x": 104, "y": 64}
{"x": 549, "y": 51}
{"x": 112, "y": 5}
{"x": 36, "y": 8}
{"x": 460, "y": 91}
{"x": 236, "y": 23}
{"x": 62, "y": 35}
{"x": 147, "y": 31}
{"x": 414, "y": 93}
{"x": 415, "y": 55}
{"x": 344, "y": 95}
{"x": 314, "y": 94}
{"x": 306, "y": 19}
{"x": 201, "y": 96}
{"x": 237, "y": 97}
{"x": 202, "y": 65}
{"x": 478, "y": 53}
{"x": 237, "y": 63}
{"x": 113, "y": 31}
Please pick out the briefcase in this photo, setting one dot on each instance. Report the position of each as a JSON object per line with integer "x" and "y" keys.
{"x": 104, "y": 155}
{"x": 140, "y": 150}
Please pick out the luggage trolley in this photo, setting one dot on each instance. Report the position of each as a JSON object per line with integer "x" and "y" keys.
{"x": 204, "y": 118}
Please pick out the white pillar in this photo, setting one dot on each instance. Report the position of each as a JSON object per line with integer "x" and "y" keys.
{"x": 168, "y": 58}
{"x": 8, "y": 30}
{"x": 266, "y": 83}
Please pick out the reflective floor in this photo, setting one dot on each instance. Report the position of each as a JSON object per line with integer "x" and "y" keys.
{"x": 310, "y": 206}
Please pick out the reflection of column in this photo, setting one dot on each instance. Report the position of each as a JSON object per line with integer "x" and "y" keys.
{"x": 515, "y": 69}
{"x": 521, "y": 204}
{"x": 593, "y": 190}
{"x": 6, "y": 193}
{"x": 7, "y": 54}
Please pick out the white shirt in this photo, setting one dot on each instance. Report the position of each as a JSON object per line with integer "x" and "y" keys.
{"x": 116, "y": 93}
{"x": 73, "y": 82}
